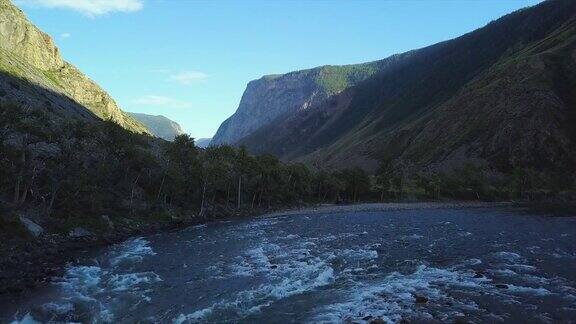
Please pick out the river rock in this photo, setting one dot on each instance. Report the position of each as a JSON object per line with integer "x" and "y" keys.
{"x": 33, "y": 228}
{"x": 80, "y": 232}
{"x": 377, "y": 321}
{"x": 420, "y": 299}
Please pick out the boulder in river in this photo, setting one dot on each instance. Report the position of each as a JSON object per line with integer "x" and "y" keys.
{"x": 420, "y": 299}
{"x": 377, "y": 321}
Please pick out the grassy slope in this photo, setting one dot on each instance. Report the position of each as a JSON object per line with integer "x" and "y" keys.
{"x": 517, "y": 103}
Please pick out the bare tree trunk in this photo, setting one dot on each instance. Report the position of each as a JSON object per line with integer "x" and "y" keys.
{"x": 161, "y": 186}
{"x": 239, "y": 201}
{"x": 52, "y": 199}
{"x": 203, "y": 197}
{"x": 260, "y": 198}
{"x": 253, "y": 199}
{"x": 25, "y": 192}
{"x": 132, "y": 192}
{"x": 19, "y": 178}
{"x": 27, "y": 186}
{"x": 17, "y": 189}
{"x": 401, "y": 187}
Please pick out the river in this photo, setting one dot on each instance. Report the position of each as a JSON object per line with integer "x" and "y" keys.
{"x": 435, "y": 265}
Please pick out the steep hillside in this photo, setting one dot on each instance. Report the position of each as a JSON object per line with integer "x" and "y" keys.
{"x": 28, "y": 56}
{"x": 160, "y": 126}
{"x": 502, "y": 94}
{"x": 272, "y": 96}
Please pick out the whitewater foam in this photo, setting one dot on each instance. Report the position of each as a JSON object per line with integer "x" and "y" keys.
{"x": 396, "y": 296}
{"x": 131, "y": 251}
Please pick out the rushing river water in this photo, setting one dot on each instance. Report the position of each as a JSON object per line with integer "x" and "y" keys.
{"x": 477, "y": 265}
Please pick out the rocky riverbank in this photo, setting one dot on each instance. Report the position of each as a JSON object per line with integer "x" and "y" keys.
{"x": 371, "y": 207}
{"x": 31, "y": 255}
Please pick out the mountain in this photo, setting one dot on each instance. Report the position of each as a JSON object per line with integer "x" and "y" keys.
{"x": 160, "y": 126}
{"x": 502, "y": 95}
{"x": 203, "y": 142}
{"x": 34, "y": 74}
{"x": 273, "y": 96}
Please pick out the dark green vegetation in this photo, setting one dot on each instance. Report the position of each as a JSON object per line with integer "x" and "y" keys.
{"x": 75, "y": 172}
{"x": 500, "y": 98}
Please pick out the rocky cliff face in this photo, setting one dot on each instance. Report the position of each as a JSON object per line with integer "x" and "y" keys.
{"x": 33, "y": 73}
{"x": 275, "y": 96}
{"x": 160, "y": 126}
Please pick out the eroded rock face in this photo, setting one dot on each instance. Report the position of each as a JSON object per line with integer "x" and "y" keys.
{"x": 274, "y": 96}
{"x": 19, "y": 36}
{"x": 28, "y": 55}
{"x": 266, "y": 99}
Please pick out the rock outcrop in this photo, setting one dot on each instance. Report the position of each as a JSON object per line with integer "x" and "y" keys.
{"x": 33, "y": 228}
{"x": 275, "y": 96}
{"x": 33, "y": 73}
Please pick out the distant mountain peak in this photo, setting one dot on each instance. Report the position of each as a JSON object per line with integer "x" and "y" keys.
{"x": 159, "y": 125}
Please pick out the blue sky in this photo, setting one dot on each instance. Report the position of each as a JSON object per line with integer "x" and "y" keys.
{"x": 191, "y": 60}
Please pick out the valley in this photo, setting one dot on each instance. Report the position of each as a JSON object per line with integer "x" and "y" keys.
{"x": 433, "y": 185}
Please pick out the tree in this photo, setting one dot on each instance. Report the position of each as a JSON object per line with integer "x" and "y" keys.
{"x": 356, "y": 182}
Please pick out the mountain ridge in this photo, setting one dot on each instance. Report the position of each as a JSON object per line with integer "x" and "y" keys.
{"x": 385, "y": 115}
{"x": 27, "y": 53}
{"x": 272, "y": 96}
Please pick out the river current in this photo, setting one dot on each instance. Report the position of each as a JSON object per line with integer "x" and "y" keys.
{"x": 441, "y": 265}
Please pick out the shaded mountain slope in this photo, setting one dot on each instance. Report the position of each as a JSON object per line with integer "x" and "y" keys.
{"x": 273, "y": 96}
{"x": 500, "y": 94}
{"x": 159, "y": 125}
{"x": 27, "y": 53}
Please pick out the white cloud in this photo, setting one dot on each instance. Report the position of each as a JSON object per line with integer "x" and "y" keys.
{"x": 65, "y": 35}
{"x": 188, "y": 77}
{"x": 161, "y": 101}
{"x": 90, "y": 8}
